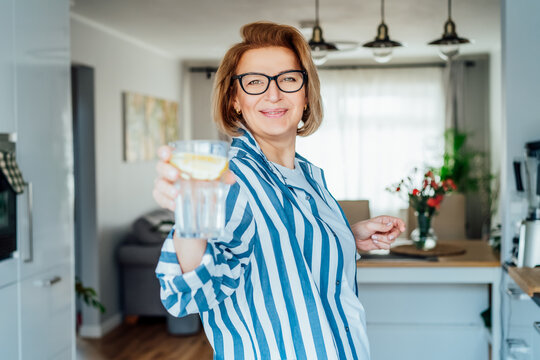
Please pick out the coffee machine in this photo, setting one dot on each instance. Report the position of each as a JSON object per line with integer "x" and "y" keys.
{"x": 528, "y": 247}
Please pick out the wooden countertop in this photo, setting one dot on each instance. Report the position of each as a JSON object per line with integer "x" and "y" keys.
{"x": 478, "y": 254}
{"x": 528, "y": 279}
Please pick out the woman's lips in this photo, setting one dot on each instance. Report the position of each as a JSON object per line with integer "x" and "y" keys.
{"x": 274, "y": 113}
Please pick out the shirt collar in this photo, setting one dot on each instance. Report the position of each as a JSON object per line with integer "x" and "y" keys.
{"x": 247, "y": 142}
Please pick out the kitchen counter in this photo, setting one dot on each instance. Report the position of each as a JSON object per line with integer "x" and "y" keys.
{"x": 420, "y": 304}
{"x": 478, "y": 254}
{"x": 528, "y": 279}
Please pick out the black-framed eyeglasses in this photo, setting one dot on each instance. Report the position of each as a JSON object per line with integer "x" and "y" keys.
{"x": 257, "y": 83}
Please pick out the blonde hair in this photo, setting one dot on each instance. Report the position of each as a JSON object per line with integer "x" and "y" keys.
{"x": 254, "y": 36}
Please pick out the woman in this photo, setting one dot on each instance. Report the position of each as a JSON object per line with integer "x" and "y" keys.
{"x": 281, "y": 282}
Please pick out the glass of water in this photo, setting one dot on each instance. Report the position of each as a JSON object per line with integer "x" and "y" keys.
{"x": 200, "y": 205}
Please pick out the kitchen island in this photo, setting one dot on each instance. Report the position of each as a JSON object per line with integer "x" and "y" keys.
{"x": 420, "y": 309}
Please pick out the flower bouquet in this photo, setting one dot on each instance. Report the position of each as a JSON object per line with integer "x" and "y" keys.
{"x": 425, "y": 195}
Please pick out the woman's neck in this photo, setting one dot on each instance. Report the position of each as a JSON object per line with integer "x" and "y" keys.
{"x": 278, "y": 151}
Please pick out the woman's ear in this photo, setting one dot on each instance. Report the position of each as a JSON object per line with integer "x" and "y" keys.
{"x": 236, "y": 105}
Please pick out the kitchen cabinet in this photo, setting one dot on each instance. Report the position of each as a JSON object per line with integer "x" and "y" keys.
{"x": 7, "y": 68}
{"x": 47, "y": 313}
{"x": 431, "y": 309}
{"x": 9, "y": 335}
{"x": 37, "y": 284}
{"x": 521, "y": 337}
{"x": 44, "y": 135}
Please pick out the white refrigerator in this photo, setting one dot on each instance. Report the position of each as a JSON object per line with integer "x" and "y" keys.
{"x": 37, "y": 282}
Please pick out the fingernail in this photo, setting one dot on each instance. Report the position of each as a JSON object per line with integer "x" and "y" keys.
{"x": 172, "y": 174}
{"x": 375, "y": 241}
{"x": 374, "y": 237}
{"x": 389, "y": 224}
{"x": 391, "y": 237}
{"x": 173, "y": 192}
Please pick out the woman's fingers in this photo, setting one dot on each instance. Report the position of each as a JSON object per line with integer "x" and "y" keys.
{"x": 166, "y": 188}
{"x": 163, "y": 200}
{"x": 396, "y": 222}
{"x": 381, "y": 244}
{"x": 367, "y": 245}
{"x": 167, "y": 171}
{"x": 228, "y": 177}
{"x": 164, "y": 153}
{"x": 375, "y": 226}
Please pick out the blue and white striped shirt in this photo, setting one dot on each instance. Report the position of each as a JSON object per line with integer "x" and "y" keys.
{"x": 281, "y": 282}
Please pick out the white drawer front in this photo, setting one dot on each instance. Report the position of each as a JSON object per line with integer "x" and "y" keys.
{"x": 424, "y": 303}
{"x": 47, "y": 321}
{"x": 9, "y": 325}
{"x": 427, "y": 342}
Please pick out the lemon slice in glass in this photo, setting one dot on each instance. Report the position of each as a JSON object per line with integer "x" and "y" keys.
{"x": 198, "y": 166}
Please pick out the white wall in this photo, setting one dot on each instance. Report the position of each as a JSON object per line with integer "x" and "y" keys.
{"x": 123, "y": 189}
{"x": 520, "y": 91}
{"x": 495, "y": 122}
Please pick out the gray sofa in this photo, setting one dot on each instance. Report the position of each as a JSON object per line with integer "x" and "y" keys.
{"x": 137, "y": 256}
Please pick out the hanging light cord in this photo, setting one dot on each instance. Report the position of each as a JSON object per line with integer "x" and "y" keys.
{"x": 316, "y": 12}
{"x": 449, "y": 9}
{"x": 382, "y": 11}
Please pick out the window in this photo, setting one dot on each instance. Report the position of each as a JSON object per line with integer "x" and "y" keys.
{"x": 378, "y": 125}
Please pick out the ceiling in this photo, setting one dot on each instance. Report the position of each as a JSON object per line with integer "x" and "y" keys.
{"x": 205, "y": 29}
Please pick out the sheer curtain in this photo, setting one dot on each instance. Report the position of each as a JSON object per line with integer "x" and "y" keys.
{"x": 378, "y": 125}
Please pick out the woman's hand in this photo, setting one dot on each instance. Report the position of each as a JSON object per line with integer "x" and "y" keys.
{"x": 164, "y": 191}
{"x": 377, "y": 233}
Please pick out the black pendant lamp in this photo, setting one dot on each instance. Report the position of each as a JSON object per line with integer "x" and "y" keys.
{"x": 450, "y": 41}
{"x": 382, "y": 46}
{"x": 319, "y": 47}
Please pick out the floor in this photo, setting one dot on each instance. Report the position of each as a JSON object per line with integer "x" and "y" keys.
{"x": 148, "y": 339}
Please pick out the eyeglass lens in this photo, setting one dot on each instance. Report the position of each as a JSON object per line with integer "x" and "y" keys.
{"x": 287, "y": 82}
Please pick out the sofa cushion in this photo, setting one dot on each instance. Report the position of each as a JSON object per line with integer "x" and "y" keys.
{"x": 153, "y": 227}
{"x": 139, "y": 255}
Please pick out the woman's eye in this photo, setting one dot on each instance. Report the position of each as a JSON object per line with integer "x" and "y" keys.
{"x": 289, "y": 79}
{"x": 255, "y": 82}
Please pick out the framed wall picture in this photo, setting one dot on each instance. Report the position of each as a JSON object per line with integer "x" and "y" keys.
{"x": 149, "y": 122}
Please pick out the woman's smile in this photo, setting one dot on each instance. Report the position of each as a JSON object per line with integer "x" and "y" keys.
{"x": 274, "y": 113}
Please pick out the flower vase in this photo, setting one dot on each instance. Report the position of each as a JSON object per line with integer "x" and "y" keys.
{"x": 423, "y": 236}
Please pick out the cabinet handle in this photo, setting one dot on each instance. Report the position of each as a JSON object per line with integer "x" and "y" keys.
{"x": 536, "y": 325}
{"x": 517, "y": 346}
{"x": 48, "y": 282}
{"x": 29, "y": 196}
{"x": 516, "y": 294}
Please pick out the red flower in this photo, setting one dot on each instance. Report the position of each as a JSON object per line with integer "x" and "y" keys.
{"x": 452, "y": 184}
{"x": 429, "y": 174}
{"x": 435, "y": 202}
{"x": 434, "y": 184}
{"x": 425, "y": 183}
{"x": 415, "y": 192}
{"x": 398, "y": 188}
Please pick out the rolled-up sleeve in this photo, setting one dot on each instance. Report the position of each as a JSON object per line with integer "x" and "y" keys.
{"x": 222, "y": 265}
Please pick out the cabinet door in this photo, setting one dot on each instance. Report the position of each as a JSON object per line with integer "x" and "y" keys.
{"x": 44, "y": 146}
{"x": 7, "y": 68}
{"x": 535, "y": 339}
{"x": 47, "y": 320}
{"x": 9, "y": 325}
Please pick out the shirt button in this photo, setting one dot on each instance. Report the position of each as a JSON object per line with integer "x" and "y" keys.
{"x": 346, "y": 328}
{"x": 308, "y": 197}
{"x": 338, "y": 282}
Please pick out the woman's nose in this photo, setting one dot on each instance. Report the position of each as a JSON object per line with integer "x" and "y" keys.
{"x": 273, "y": 93}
